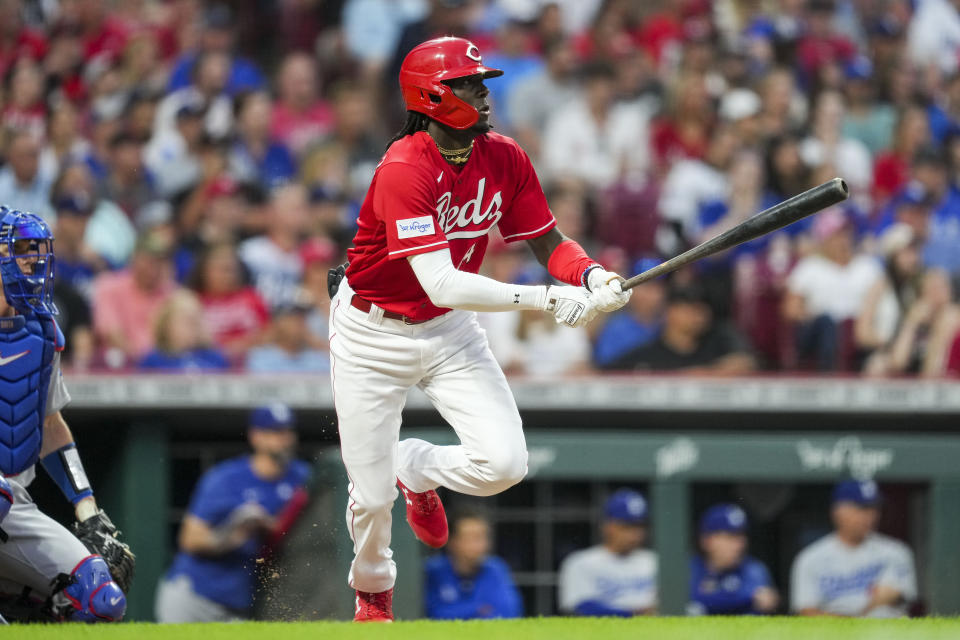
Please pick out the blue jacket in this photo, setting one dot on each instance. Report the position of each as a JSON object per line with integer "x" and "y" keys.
{"x": 490, "y": 593}
{"x": 727, "y": 592}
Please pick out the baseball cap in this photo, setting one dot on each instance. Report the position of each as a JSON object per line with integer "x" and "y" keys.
{"x": 274, "y": 417}
{"x": 914, "y": 193}
{"x": 645, "y": 264}
{"x": 738, "y": 104}
{"x": 691, "y": 294}
{"x": 626, "y": 505}
{"x": 864, "y": 493}
{"x": 829, "y": 222}
{"x": 859, "y": 68}
{"x": 318, "y": 249}
{"x": 724, "y": 517}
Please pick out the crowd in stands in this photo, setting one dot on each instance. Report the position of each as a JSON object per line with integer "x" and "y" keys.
{"x": 202, "y": 165}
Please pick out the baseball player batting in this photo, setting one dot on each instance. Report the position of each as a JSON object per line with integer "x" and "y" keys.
{"x": 403, "y": 315}
{"x": 67, "y": 576}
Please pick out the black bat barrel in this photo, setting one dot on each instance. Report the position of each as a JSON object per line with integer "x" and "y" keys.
{"x": 776, "y": 217}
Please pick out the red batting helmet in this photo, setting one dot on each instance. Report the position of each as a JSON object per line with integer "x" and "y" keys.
{"x": 428, "y": 65}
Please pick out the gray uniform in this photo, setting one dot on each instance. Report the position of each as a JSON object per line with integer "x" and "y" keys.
{"x": 39, "y": 548}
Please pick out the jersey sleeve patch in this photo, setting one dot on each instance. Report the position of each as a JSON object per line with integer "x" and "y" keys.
{"x": 415, "y": 227}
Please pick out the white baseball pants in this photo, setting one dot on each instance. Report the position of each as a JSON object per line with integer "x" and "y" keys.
{"x": 374, "y": 362}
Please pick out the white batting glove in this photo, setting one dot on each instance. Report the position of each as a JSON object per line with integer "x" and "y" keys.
{"x": 605, "y": 290}
{"x": 571, "y": 306}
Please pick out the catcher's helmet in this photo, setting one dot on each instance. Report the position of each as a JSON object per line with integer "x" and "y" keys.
{"x": 26, "y": 236}
{"x": 428, "y": 65}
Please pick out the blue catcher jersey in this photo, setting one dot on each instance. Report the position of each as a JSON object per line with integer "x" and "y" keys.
{"x": 28, "y": 345}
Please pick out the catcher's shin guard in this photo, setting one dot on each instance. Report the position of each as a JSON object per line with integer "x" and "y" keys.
{"x": 92, "y": 593}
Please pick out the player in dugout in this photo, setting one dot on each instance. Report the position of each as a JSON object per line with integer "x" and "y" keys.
{"x": 47, "y": 573}
{"x": 403, "y": 315}
{"x": 854, "y": 571}
{"x": 237, "y": 507}
{"x": 467, "y": 582}
{"x": 616, "y": 577}
{"x": 724, "y": 580}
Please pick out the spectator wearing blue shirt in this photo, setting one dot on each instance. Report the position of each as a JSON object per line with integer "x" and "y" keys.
{"x": 234, "y": 508}
{"x": 218, "y": 35}
{"x": 467, "y": 582}
{"x": 724, "y": 580}
{"x": 635, "y": 325}
{"x": 182, "y": 342}
{"x": 256, "y": 157}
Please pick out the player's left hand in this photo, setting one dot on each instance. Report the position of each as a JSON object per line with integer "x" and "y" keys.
{"x": 99, "y": 535}
{"x": 605, "y": 290}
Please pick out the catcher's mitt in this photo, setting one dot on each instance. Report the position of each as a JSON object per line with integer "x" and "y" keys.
{"x": 100, "y": 536}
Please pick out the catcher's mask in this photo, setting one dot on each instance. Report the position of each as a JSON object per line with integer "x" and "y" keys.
{"x": 26, "y": 262}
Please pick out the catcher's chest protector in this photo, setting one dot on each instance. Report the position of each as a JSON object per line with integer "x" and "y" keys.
{"x": 27, "y": 346}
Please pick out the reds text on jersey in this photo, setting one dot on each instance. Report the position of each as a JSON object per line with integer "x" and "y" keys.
{"x": 419, "y": 203}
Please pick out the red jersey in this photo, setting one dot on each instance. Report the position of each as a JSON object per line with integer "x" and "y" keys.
{"x": 419, "y": 203}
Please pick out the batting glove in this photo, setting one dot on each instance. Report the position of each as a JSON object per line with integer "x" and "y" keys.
{"x": 605, "y": 290}
{"x": 571, "y": 306}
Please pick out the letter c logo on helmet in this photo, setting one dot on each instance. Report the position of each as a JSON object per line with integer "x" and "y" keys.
{"x": 428, "y": 66}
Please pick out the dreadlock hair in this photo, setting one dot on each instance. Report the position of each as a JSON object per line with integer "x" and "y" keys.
{"x": 415, "y": 122}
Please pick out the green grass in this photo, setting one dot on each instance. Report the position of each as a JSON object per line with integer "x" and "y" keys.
{"x": 529, "y": 629}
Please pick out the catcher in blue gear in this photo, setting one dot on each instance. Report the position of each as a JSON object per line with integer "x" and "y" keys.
{"x": 46, "y": 571}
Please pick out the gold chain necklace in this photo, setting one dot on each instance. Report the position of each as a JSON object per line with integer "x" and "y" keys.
{"x": 456, "y": 156}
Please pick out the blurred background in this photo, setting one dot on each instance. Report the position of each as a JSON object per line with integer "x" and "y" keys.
{"x": 202, "y": 165}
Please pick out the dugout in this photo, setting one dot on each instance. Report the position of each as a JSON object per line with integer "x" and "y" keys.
{"x": 685, "y": 442}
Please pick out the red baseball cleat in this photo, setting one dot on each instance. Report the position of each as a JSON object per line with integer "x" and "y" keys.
{"x": 426, "y": 516}
{"x": 374, "y": 607}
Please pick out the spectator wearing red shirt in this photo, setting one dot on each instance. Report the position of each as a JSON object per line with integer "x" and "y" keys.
{"x": 684, "y": 130}
{"x": 25, "y": 109}
{"x": 300, "y": 116}
{"x": 233, "y": 312}
{"x": 821, "y": 45}
{"x": 891, "y": 170}
{"x": 16, "y": 40}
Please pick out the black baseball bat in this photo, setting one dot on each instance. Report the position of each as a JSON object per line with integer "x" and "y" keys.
{"x": 776, "y": 217}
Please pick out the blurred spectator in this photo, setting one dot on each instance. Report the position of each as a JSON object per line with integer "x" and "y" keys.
{"x": 255, "y": 156}
{"x": 236, "y": 507}
{"x": 287, "y": 349}
{"x": 784, "y": 110}
{"x": 180, "y": 336}
{"x": 854, "y": 571}
{"x": 826, "y": 291}
{"x": 683, "y": 129}
{"x": 77, "y": 264}
{"x": 893, "y": 293}
{"x": 64, "y": 141}
{"x": 466, "y": 582}
{"x": 925, "y": 335}
{"x": 724, "y": 580}
{"x": 689, "y": 185}
{"x": 514, "y": 54}
{"x": 233, "y": 312}
{"x": 596, "y": 140}
{"x": 821, "y": 45}
{"x": 173, "y": 155}
{"x": 299, "y": 115}
{"x": 126, "y": 302}
{"x": 933, "y": 35}
{"x": 532, "y": 102}
{"x": 866, "y": 119}
{"x": 891, "y": 168}
{"x": 319, "y": 255}
{"x": 637, "y": 324}
{"x": 342, "y": 164}
{"x": 210, "y": 75}
{"x": 371, "y": 29}
{"x": 102, "y": 33}
{"x": 128, "y": 183}
{"x": 826, "y": 146}
{"x": 444, "y": 18}
{"x": 690, "y": 341}
{"x": 272, "y": 259}
{"x": 22, "y": 185}
{"x": 616, "y": 577}
{"x": 17, "y": 40}
{"x": 24, "y": 108}
{"x": 108, "y": 234}
{"x": 740, "y": 109}
{"x": 217, "y": 35}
